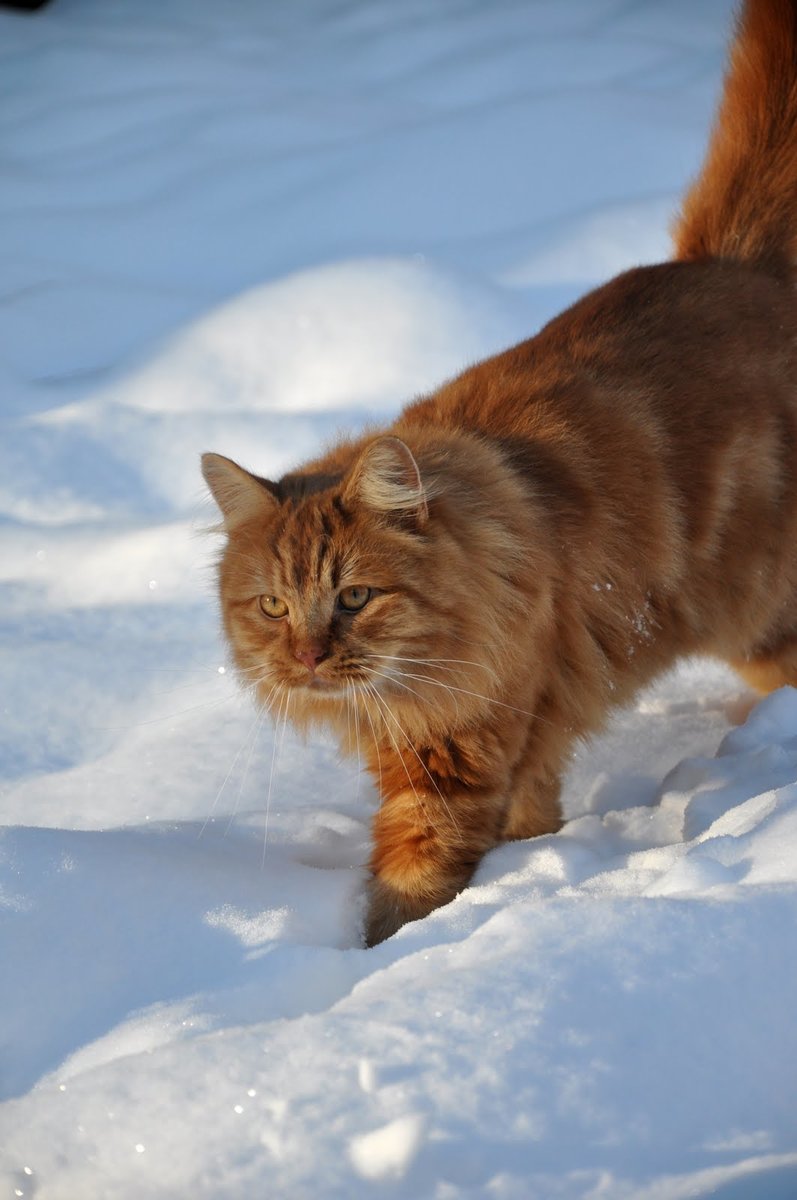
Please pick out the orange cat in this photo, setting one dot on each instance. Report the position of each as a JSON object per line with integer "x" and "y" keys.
{"x": 474, "y": 587}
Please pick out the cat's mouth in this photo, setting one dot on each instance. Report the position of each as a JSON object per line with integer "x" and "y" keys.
{"x": 324, "y": 687}
{"x": 320, "y": 685}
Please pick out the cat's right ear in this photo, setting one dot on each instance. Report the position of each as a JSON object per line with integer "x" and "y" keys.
{"x": 238, "y": 494}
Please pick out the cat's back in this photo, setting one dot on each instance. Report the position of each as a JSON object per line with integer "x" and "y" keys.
{"x": 655, "y": 420}
{"x": 692, "y": 347}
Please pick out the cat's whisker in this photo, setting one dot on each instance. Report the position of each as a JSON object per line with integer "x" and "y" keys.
{"x": 429, "y": 775}
{"x": 284, "y": 698}
{"x": 351, "y": 704}
{"x": 372, "y": 691}
{"x": 205, "y": 706}
{"x": 396, "y": 676}
{"x": 174, "y": 691}
{"x": 288, "y": 702}
{"x": 257, "y": 676}
{"x": 250, "y": 734}
{"x": 436, "y": 662}
{"x": 394, "y": 679}
{"x": 348, "y": 713}
{"x": 246, "y": 673}
{"x": 477, "y": 695}
{"x": 365, "y": 692}
{"x": 251, "y": 685}
{"x": 228, "y": 776}
{"x": 245, "y": 774}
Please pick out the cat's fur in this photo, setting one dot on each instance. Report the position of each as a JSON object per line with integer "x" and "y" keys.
{"x": 548, "y": 531}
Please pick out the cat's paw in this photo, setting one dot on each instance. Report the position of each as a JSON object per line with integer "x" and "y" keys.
{"x": 388, "y": 908}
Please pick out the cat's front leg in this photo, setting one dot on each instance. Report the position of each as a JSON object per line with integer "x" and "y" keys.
{"x": 534, "y": 808}
{"x": 426, "y": 848}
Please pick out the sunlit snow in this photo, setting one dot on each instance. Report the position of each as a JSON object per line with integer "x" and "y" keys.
{"x": 242, "y": 227}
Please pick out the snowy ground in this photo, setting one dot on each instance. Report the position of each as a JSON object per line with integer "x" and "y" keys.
{"x": 240, "y": 227}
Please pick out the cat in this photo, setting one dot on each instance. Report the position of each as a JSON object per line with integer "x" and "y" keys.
{"x": 473, "y": 588}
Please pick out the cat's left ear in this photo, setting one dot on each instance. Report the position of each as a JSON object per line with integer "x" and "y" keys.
{"x": 238, "y": 493}
{"x": 386, "y": 478}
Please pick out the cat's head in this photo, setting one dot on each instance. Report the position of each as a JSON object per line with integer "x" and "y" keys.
{"x": 365, "y": 582}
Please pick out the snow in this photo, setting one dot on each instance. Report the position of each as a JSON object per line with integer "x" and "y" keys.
{"x": 241, "y": 227}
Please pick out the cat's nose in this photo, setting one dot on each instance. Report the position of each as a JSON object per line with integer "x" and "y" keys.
{"x": 310, "y": 654}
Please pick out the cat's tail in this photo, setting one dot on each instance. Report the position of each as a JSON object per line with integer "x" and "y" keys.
{"x": 743, "y": 205}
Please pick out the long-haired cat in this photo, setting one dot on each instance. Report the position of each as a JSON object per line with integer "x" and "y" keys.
{"x": 475, "y": 586}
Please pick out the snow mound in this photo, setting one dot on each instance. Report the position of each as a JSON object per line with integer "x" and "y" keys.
{"x": 261, "y": 377}
{"x": 549, "y": 1032}
{"x": 343, "y": 336}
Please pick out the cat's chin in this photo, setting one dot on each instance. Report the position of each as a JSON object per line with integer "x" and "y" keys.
{"x": 321, "y": 689}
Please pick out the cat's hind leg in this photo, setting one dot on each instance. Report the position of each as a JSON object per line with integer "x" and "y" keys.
{"x": 766, "y": 670}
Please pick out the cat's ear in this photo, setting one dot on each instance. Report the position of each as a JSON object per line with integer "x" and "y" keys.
{"x": 238, "y": 494}
{"x": 386, "y": 478}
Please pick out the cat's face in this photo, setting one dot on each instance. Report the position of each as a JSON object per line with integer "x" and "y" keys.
{"x": 317, "y": 598}
{"x": 335, "y": 589}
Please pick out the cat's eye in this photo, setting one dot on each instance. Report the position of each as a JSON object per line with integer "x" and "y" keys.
{"x": 352, "y": 599}
{"x": 273, "y": 607}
